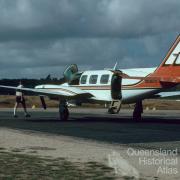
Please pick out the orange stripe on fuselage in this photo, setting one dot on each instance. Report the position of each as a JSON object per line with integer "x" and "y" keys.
{"x": 129, "y": 87}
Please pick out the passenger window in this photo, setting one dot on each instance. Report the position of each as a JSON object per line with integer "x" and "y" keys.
{"x": 104, "y": 79}
{"x": 93, "y": 79}
{"x": 83, "y": 79}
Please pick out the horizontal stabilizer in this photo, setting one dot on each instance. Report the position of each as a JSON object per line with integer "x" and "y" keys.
{"x": 169, "y": 94}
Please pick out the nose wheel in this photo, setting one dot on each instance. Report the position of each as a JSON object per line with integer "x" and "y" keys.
{"x": 63, "y": 111}
{"x": 114, "y": 107}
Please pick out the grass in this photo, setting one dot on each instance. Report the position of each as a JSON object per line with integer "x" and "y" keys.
{"x": 31, "y": 167}
{"x": 8, "y": 102}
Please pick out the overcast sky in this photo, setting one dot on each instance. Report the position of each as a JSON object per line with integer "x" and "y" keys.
{"x": 41, "y": 37}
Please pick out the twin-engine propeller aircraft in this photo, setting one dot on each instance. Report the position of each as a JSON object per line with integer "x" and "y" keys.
{"x": 114, "y": 86}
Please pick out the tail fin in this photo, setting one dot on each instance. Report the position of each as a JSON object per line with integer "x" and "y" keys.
{"x": 170, "y": 67}
{"x": 167, "y": 75}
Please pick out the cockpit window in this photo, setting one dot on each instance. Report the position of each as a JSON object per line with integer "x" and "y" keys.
{"x": 83, "y": 79}
{"x": 104, "y": 79}
{"x": 93, "y": 79}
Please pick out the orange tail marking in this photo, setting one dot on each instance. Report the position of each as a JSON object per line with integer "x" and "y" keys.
{"x": 170, "y": 67}
{"x": 168, "y": 73}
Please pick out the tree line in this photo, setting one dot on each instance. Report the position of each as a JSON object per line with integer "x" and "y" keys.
{"x": 28, "y": 83}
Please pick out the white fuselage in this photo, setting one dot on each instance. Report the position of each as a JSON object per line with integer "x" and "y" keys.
{"x": 102, "y": 91}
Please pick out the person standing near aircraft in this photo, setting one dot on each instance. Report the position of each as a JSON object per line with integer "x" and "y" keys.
{"x": 20, "y": 99}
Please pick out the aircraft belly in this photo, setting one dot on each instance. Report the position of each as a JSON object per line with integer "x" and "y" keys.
{"x": 132, "y": 95}
{"x": 128, "y": 95}
{"x": 104, "y": 95}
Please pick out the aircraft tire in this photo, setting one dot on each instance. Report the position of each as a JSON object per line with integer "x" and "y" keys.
{"x": 64, "y": 114}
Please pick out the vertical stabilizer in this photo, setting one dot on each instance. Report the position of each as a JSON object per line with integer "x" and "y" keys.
{"x": 170, "y": 67}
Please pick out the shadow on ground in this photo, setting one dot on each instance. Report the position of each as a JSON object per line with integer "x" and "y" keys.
{"x": 112, "y": 129}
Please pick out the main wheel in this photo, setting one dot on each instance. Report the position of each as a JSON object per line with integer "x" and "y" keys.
{"x": 64, "y": 114}
{"x": 137, "y": 116}
{"x": 138, "y": 110}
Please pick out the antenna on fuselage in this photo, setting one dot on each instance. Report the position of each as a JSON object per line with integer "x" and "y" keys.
{"x": 115, "y": 66}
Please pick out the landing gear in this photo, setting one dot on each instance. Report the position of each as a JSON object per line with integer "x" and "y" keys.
{"x": 116, "y": 94}
{"x": 114, "y": 107}
{"x": 63, "y": 110}
{"x": 138, "y": 110}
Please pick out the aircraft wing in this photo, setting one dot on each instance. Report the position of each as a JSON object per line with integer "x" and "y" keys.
{"x": 169, "y": 94}
{"x": 62, "y": 92}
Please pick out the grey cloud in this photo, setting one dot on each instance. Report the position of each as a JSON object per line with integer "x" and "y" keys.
{"x": 60, "y": 52}
{"x": 28, "y": 19}
{"x": 53, "y": 56}
{"x": 38, "y": 37}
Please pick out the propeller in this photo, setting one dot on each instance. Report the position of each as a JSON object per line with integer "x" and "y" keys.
{"x": 70, "y": 72}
